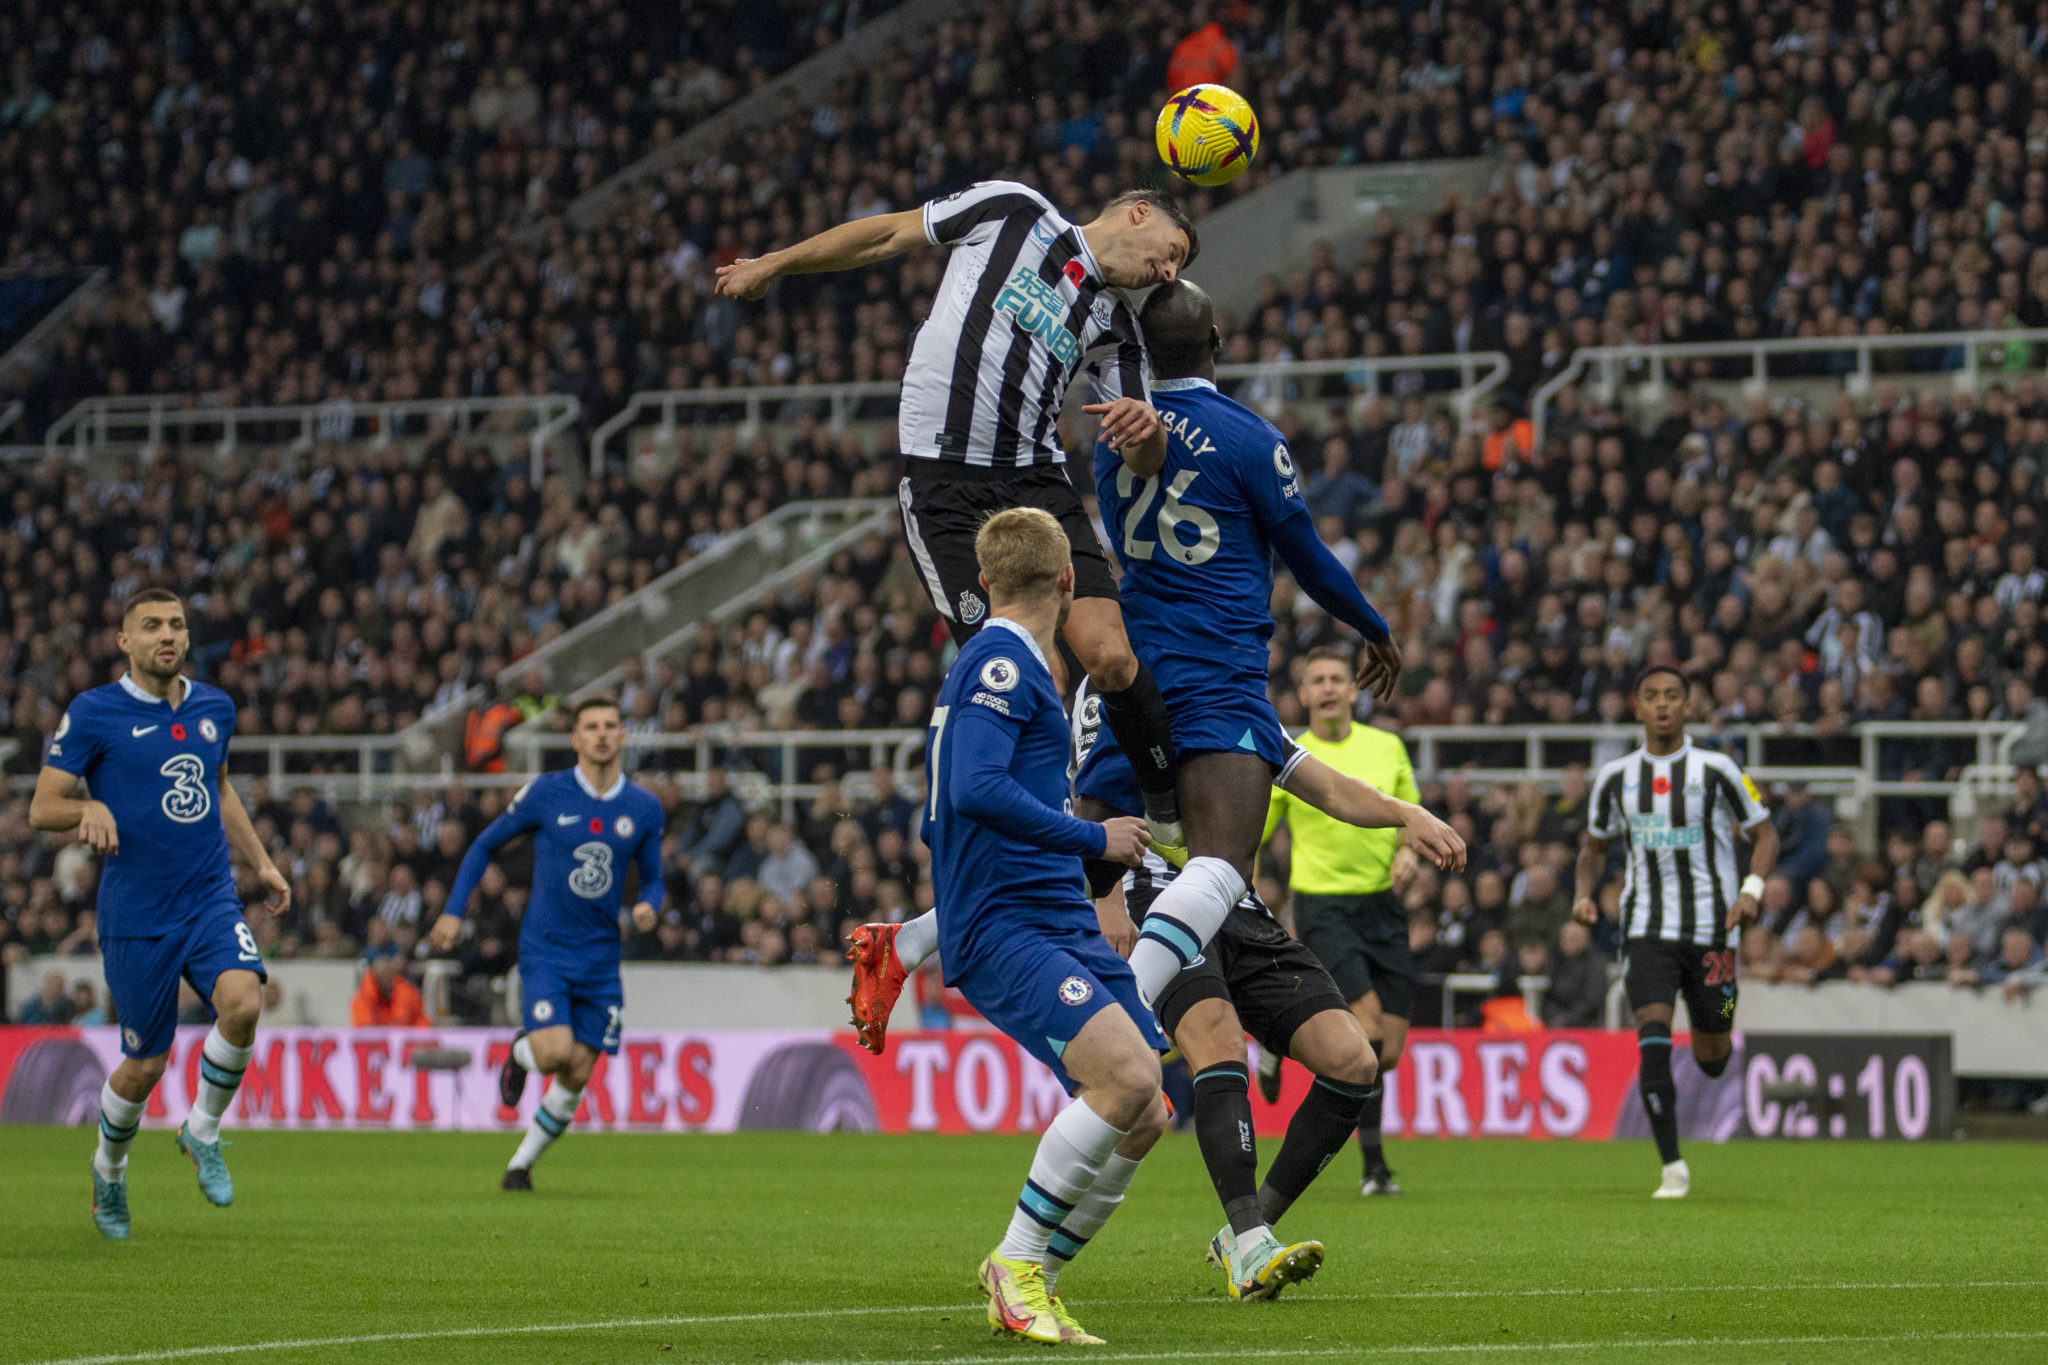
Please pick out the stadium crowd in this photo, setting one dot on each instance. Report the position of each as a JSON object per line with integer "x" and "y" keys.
{"x": 1748, "y": 172}
{"x": 1714, "y": 171}
{"x": 1527, "y": 593}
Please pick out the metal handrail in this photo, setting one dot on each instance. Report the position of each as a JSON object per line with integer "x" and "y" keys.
{"x": 86, "y": 426}
{"x": 842, "y": 400}
{"x": 1994, "y": 740}
{"x": 377, "y": 764}
{"x": 1988, "y": 773}
{"x": 1758, "y": 353}
{"x": 859, "y": 511}
{"x": 899, "y": 750}
{"x": 672, "y": 644}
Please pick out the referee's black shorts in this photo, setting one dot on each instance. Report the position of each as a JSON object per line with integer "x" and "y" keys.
{"x": 1363, "y": 940}
{"x": 944, "y": 504}
{"x": 1274, "y": 983}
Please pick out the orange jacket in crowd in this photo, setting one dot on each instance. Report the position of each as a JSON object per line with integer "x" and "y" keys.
{"x": 1524, "y": 433}
{"x": 404, "y": 1008}
{"x": 483, "y": 736}
{"x": 1204, "y": 57}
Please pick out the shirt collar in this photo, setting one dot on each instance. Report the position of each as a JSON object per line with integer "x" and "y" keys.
{"x": 136, "y": 690}
{"x": 591, "y": 790}
{"x": 1087, "y": 257}
{"x": 1030, "y": 642}
{"x": 1182, "y": 385}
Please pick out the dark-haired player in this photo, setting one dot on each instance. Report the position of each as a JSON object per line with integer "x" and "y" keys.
{"x": 1030, "y": 301}
{"x": 1197, "y": 533}
{"x": 587, "y": 823}
{"x": 150, "y": 747}
{"x": 1678, "y": 812}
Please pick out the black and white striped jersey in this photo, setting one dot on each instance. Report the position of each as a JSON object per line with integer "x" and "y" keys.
{"x": 1022, "y": 310}
{"x": 1677, "y": 817}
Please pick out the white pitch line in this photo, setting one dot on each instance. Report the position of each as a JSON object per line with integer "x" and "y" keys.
{"x": 1839, "y": 1286}
{"x": 459, "y": 1333}
{"x": 1472, "y": 1348}
{"x": 627, "y": 1324}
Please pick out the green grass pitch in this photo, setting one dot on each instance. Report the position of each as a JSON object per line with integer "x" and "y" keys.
{"x": 775, "y": 1247}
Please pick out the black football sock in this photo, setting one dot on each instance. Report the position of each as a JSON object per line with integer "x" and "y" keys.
{"x": 1369, "y": 1147}
{"x": 1137, "y": 717}
{"x": 1317, "y": 1132}
{"x": 1660, "y": 1093}
{"x": 1223, "y": 1128}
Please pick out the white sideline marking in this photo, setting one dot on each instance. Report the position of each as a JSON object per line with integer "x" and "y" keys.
{"x": 458, "y": 1333}
{"x": 712, "y": 1319}
{"x": 1470, "y": 1348}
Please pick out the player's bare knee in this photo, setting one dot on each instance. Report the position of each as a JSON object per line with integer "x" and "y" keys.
{"x": 1353, "y": 1066}
{"x": 1333, "y": 1045}
{"x": 1210, "y": 1035}
{"x": 576, "y": 1071}
{"x": 237, "y": 1001}
{"x": 135, "y": 1077}
{"x": 1131, "y": 1088}
{"x": 1711, "y": 1052}
{"x": 1150, "y": 1127}
{"x": 1108, "y": 659}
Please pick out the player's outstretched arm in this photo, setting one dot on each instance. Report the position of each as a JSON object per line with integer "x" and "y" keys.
{"x": 982, "y": 744}
{"x": 516, "y": 821}
{"x": 1592, "y": 859}
{"x": 247, "y": 847}
{"x": 56, "y": 808}
{"x": 846, "y": 247}
{"x": 1342, "y": 797}
{"x": 1330, "y": 586}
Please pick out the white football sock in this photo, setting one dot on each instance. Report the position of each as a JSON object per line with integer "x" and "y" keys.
{"x": 1184, "y": 918}
{"x": 522, "y": 1053}
{"x": 119, "y": 1119}
{"x": 1070, "y": 1157}
{"x": 221, "y": 1065}
{"x": 1088, "y": 1216}
{"x": 550, "y": 1121}
{"x": 917, "y": 940}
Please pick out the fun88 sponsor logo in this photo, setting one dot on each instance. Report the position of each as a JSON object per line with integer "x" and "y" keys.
{"x": 1041, "y": 311}
{"x": 1654, "y": 831}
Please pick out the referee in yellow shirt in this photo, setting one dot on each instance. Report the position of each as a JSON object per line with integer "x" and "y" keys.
{"x": 1342, "y": 882}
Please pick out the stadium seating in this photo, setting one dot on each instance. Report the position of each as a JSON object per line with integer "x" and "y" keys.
{"x": 289, "y": 196}
{"x": 1825, "y": 555}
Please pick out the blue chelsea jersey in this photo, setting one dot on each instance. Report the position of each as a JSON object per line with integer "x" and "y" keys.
{"x": 1193, "y": 540}
{"x": 157, "y": 768}
{"x": 1006, "y": 848}
{"x": 583, "y": 840}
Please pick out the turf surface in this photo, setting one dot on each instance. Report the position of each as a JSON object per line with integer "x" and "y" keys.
{"x": 770, "y": 1247}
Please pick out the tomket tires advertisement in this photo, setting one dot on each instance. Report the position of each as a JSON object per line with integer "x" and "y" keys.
{"x": 1575, "y": 1084}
